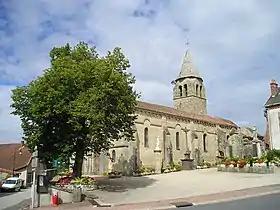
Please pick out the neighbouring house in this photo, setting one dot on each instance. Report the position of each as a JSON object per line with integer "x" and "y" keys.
{"x": 186, "y": 126}
{"x": 15, "y": 159}
{"x": 272, "y": 115}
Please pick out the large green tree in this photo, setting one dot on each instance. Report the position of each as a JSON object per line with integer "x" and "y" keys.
{"x": 82, "y": 103}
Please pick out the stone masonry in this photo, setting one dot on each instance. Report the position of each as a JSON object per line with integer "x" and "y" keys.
{"x": 206, "y": 138}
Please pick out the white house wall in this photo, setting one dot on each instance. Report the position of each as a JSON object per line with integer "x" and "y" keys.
{"x": 274, "y": 126}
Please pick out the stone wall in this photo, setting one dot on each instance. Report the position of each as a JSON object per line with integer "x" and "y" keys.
{"x": 200, "y": 139}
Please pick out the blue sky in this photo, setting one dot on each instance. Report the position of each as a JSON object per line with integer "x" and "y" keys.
{"x": 235, "y": 46}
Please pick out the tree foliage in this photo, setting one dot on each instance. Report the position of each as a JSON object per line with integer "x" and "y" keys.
{"x": 82, "y": 103}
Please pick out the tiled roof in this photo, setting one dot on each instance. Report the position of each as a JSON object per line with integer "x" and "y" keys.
{"x": 2, "y": 170}
{"x": 10, "y": 156}
{"x": 178, "y": 113}
{"x": 273, "y": 100}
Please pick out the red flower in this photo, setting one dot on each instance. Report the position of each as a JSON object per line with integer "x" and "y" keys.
{"x": 64, "y": 180}
{"x": 227, "y": 163}
{"x": 242, "y": 163}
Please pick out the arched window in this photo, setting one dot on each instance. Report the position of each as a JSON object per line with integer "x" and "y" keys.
{"x": 177, "y": 141}
{"x": 227, "y": 138}
{"x": 113, "y": 156}
{"x": 200, "y": 91}
{"x": 186, "y": 90}
{"x": 204, "y": 143}
{"x": 146, "y": 138}
{"x": 181, "y": 90}
{"x": 196, "y": 90}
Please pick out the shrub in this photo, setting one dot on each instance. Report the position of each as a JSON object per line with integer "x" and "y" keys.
{"x": 105, "y": 173}
{"x": 208, "y": 164}
{"x": 178, "y": 167}
{"x": 84, "y": 181}
{"x": 224, "y": 160}
{"x": 145, "y": 169}
{"x": 251, "y": 161}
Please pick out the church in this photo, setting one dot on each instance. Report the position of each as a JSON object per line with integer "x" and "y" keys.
{"x": 186, "y": 127}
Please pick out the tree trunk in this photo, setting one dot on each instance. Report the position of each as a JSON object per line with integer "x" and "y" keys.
{"x": 78, "y": 164}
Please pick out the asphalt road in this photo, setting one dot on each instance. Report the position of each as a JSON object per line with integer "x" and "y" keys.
{"x": 268, "y": 202}
{"x": 14, "y": 200}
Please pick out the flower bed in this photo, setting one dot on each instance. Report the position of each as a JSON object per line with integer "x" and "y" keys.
{"x": 173, "y": 167}
{"x": 86, "y": 183}
{"x": 145, "y": 170}
{"x": 247, "y": 169}
{"x": 204, "y": 165}
{"x": 249, "y": 165}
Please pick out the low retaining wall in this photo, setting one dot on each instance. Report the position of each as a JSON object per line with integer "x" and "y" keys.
{"x": 246, "y": 169}
{"x": 65, "y": 196}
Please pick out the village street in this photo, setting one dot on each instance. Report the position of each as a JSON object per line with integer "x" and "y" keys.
{"x": 179, "y": 185}
{"x": 14, "y": 200}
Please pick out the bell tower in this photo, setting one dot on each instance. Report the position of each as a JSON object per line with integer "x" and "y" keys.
{"x": 189, "y": 92}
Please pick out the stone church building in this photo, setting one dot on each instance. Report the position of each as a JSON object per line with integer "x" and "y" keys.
{"x": 184, "y": 127}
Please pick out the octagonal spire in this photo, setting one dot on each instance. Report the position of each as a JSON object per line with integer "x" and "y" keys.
{"x": 188, "y": 68}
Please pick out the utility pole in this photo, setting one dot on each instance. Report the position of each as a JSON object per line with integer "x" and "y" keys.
{"x": 34, "y": 193}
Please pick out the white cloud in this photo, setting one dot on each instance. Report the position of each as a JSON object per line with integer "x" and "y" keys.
{"x": 233, "y": 44}
{"x": 10, "y": 130}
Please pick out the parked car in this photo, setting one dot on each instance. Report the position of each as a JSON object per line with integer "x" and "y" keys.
{"x": 1, "y": 182}
{"x": 12, "y": 184}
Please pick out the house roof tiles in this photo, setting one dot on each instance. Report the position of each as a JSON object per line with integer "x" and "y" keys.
{"x": 11, "y": 157}
{"x": 179, "y": 113}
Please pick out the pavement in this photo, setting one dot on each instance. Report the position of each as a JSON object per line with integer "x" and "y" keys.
{"x": 14, "y": 200}
{"x": 196, "y": 201}
{"x": 166, "y": 190}
{"x": 179, "y": 184}
{"x": 269, "y": 202}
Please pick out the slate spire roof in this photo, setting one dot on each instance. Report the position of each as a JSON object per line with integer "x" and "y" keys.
{"x": 188, "y": 68}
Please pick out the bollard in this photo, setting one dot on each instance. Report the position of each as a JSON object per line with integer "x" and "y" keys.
{"x": 54, "y": 198}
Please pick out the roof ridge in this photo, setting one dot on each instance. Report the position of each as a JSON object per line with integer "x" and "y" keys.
{"x": 173, "y": 111}
{"x": 10, "y": 144}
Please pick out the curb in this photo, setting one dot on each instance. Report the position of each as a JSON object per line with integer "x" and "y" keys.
{"x": 236, "y": 198}
{"x": 200, "y": 199}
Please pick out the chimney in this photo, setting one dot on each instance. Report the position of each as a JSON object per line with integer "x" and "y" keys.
{"x": 273, "y": 87}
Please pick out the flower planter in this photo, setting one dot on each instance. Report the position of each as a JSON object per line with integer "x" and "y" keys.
{"x": 255, "y": 169}
{"x": 89, "y": 187}
{"x": 242, "y": 170}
